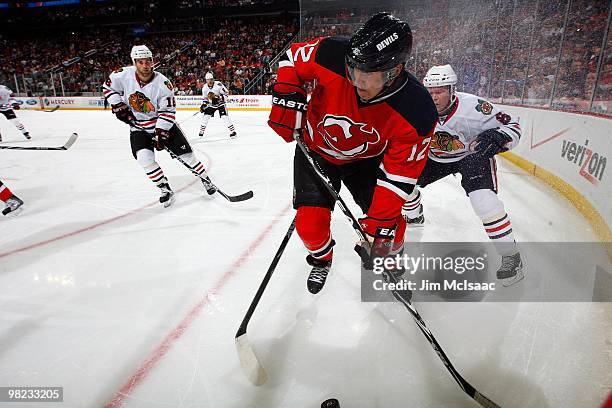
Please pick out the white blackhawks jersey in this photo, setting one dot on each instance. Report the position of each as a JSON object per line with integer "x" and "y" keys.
{"x": 456, "y": 133}
{"x": 5, "y": 98}
{"x": 218, "y": 89}
{"x": 153, "y": 103}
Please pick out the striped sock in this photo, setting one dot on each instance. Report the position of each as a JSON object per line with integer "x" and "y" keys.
{"x": 412, "y": 208}
{"x": 19, "y": 125}
{"x": 500, "y": 233}
{"x": 194, "y": 163}
{"x": 231, "y": 128}
{"x": 5, "y": 193}
{"x": 156, "y": 174}
{"x": 202, "y": 129}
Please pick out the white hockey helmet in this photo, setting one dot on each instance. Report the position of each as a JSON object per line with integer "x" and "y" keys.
{"x": 140, "y": 51}
{"x": 208, "y": 76}
{"x": 441, "y": 75}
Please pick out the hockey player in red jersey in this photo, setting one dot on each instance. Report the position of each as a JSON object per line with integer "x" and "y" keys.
{"x": 13, "y": 203}
{"x": 368, "y": 125}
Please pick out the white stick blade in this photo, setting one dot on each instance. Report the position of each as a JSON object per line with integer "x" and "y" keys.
{"x": 71, "y": 140}
{"x": 249, "y": 362}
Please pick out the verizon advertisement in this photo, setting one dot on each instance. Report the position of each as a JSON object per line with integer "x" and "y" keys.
{"x": 574, "y": 147}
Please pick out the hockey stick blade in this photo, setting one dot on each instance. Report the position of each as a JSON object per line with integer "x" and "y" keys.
{"x": 53, "y": 109}
{"x": 233, "y": 199}
{"x": 66, "y": 146}
{"x": 249, "y": 362}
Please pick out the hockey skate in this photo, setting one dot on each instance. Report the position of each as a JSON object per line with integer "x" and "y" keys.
{"x": 233, "y": 135}
{"x": 394, "y": 274}
{"x": 511, "y": 270}
{"x": 201, "y": 134}
{"x": 27, "y": 135}
{"x": 167, "y": 195}
{"x": 318, "y": 274}
{"x": 209, "y": 186}
{"x": 414, "y": 222}
{"x": 13, "y": 206}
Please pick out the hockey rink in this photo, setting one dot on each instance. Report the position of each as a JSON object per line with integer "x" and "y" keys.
{"x": 125, "y": 303}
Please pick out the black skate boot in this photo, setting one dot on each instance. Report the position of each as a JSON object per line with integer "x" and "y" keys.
{"x": 209, "y": 186}
{"x": 13, "y": 206}
{"x": 414, "y": 222}
{"x": 394, "y": 274}
{"x": 318, "y": 274}
{"x": 511, "y": 269}
{"x": 233, "y": 135}
{"x": 27, "y": 135}
{"x": 167, "y": 195}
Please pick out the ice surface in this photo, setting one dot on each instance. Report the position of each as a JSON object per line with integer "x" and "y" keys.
{"x": 106, "y": 293}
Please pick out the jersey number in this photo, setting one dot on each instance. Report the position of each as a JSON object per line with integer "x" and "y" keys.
{"x": 421, "y": 153}
{"x": 171, "y": 102}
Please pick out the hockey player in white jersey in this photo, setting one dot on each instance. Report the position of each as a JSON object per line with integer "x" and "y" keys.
{"x": 214, "y": 100}
{"x": 144, "y": 99}
{"x": 7, "y": 106}
{"x": 469, "y": 133}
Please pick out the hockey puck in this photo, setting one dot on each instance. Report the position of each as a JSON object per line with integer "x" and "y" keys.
{"x": 330, "y": 403}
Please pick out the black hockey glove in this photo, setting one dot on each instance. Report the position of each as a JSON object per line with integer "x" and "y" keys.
{"x": 123, "y": 113}
{"x": 287, "y": 100}
{"x": 16, "y": 106}
{"x": 490, "y": 142}
{"x": 160, "y": 140}
{"x": 204, "y": 106}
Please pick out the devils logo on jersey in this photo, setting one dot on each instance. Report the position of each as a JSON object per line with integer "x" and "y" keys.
{"x": 140, "y": 102}
{"x": 446, "y": 142}
{"x": 345, "y": 136}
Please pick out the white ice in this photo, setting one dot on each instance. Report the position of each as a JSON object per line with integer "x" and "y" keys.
{"x": 106, "y": 293}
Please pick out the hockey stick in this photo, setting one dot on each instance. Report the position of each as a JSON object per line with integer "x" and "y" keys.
{"x": 53, "y": 109}
{"x": 251, "y": 367}
{"x": 66, "y": 146}
{"x": 465, "y": 386}
{"x": 186, "y": 119}
{"x": 230, "y": 198}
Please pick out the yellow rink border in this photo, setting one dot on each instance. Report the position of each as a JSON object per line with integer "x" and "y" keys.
{"x": 584, "y": 207}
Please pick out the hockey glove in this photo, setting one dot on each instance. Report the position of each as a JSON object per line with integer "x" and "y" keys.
{"x": 380, "y": 234}
{"x": 204, "y": 106}
{"x": 123, "y": 113}
{"x": 16, "y": 106}
{"x": 490, "y": 142}
{"x": 160, "y": 140}
{"x": 287, "y": 100}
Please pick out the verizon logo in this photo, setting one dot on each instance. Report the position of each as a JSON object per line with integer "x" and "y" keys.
{"x": 384, "y": 43}
{"x": 590, "y": 165}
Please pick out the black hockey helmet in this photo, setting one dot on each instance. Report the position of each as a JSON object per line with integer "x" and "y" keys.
{"x": 382, "y": 43}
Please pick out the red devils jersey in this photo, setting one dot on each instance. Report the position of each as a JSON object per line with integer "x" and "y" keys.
{"x": 342, "y": 128}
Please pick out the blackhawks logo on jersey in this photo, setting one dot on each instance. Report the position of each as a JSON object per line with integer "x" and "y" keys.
{"x": 140, "y": 102}
{"x": 446, "y": 142}
{"x": 485, "y": 107}
{"x": 169, "y": 85}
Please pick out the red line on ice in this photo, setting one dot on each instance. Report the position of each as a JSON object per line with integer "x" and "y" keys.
{"x": 150, "y": 362}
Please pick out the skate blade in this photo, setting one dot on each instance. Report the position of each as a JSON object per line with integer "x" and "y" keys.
{"x": 14, "y": 213}
{"x": 169, "y": 202}
{"x": 507, "y": 282}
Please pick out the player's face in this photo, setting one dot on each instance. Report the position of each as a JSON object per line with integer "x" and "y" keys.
{"x": 368, "y": 84}
{"x": 144, "y": 67}
{"x": 441, "y": 97}
{"x": 210, "y": 82}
